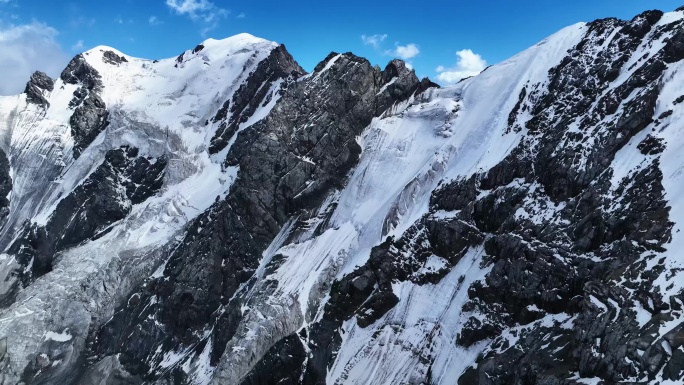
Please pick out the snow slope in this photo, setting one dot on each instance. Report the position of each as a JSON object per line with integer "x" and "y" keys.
{"x": 441, "y": 135}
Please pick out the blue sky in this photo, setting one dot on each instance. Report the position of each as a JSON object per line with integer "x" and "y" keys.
{"x": 440, "y": 39}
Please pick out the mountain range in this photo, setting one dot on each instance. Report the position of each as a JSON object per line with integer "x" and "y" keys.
{"x": 225, "y": 217}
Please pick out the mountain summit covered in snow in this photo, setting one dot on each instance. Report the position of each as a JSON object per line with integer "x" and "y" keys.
{"x": 224, "y": 217}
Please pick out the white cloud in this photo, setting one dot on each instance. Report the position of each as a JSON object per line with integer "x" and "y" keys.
{"x": 373, "y": 40}
{"x": 78, "y": 46}
{"x": 242, "y": 15}
{"x": 190, "y": 7}
{"x": 468, "y": 64}
{"x": 201, "y": 11}
{"x": 406, "y": 52}
{"x": 28, "y": 48}
{"x": 154, "y": 20}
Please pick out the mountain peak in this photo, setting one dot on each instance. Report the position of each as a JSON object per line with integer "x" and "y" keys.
{"x": 102, "y": 49}
{"x": 211, "y": 48}
{"x": 240, "y": 43}
{"x": 241, "y": 39}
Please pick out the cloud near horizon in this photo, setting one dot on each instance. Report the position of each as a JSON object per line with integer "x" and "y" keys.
{"x": 373, "y": 40}
{"x": 28, "y": 48}
{"x": 406, "y": 52}
{"x": 468, "y": 64}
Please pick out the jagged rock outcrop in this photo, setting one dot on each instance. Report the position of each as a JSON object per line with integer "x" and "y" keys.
{"x": 278, "y": 66}
{"x": 583, "y": 262}
{"x": 90, "y": 115}
{"x": 37, "y": 87}
{"x": 112, "y": 58}
{"x": 289, "y": 162}
{"x": 5, "y": 185}
{"x": 105, "y": 197}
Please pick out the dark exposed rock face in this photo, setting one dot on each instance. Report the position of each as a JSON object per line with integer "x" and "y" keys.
{"x": 584, "y": 263}
{"x": 106, "y": 196}
{"x": 5, "y": 184}
{"x": 112, "y": 58}
{"x": 367, "y": 292}
{"x": 400, "y": 83}
{"x": 37, "y": 86}
{"x": 289, "y": 162}
{"x": 545, "y": 267}
{"x": 253, "y": 93}
{"x": 78, "y": 71}
{"x": 281, "y": 365}
{"x": 90, "y": 115}
{"x": 5, "y": 195}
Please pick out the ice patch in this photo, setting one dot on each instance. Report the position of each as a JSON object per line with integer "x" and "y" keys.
{"x": 64, "y": 336}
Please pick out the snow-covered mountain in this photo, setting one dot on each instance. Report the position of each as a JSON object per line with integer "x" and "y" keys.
{"x": 225, "y": 218}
